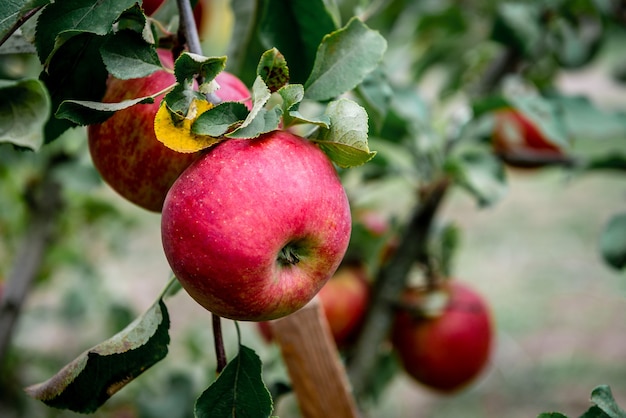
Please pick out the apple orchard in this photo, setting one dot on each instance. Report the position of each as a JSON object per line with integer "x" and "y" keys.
{"x": 284, "y": 181}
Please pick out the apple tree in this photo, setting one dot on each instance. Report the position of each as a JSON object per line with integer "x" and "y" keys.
{"x": 294, "y": 155}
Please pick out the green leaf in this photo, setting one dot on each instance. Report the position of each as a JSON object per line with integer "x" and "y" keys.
{"x": 239, "y": 390}
{"x": 13, "y": 10}
{"x": 93, "y": 377}
{"x": 75, "y": 72}
{"x": 273, "y": 69}
{"x": 296, "y": 27}
{"x": 480, "y": 173}
{"x": 603, "y": 398}
{"x": 180, "y": 98}
{"x": 74, "y": 17}
{"x": 260, "y": 95}
{"x": 126, "y": 55}
{"x": 219, "y": 119}
{"x": 345, "y": 141}
{"x": 87, "y": 113}
{"x": 343, "y": 60}
{"x": 24, "y": 110}
{"x": 516, "y": 24}
{"x": 613, "y": 242}
{"x": 267, "y": 120}
{"x": 551, "y": 415}
{"x": 188, "y": 66}
{"x": 292, "y": 95}
{"x": 376, "y": 94}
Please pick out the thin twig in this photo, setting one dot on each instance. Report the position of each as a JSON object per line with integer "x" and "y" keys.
{"x": 23, "y": 19}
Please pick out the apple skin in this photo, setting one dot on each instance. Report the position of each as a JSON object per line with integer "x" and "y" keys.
{"x": 449, "y": 351}
{"x": 344, "y": 299}
{"x": 229, "y": 217}
{"x": 124, "y": 148}
{"x": 515, "y": 135}
{"x": 151, "y": 6}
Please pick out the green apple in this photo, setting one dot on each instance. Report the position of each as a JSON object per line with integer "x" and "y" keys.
{"x": 125, "y": 150}
{"x": 255, "y": 227}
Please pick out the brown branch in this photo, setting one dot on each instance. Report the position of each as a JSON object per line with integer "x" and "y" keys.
{"x": 23, "y": 19}
{"x": 389, "y": 284}
{"x": 45, "y": 204}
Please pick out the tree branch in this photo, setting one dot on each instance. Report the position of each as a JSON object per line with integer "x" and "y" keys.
{"x": 23, "y": 19}
{"x": 45, "y": 203}
{"x": 389, "y": 284}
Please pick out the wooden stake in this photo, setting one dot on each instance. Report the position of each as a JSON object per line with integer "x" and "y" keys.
{"x": 317, "y": 374}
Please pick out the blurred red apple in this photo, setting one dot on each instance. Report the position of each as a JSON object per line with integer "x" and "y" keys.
{"x": 448, "y": 351}
{"x": 255, "y": 227}
{"x": 520, "y": 142}
{"x": 344, "y": 299}
{"x": 124, "y": 148}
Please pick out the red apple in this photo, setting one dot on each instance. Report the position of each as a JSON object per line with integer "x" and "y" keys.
{"x": 151, "y": 6}
{"x": 344, "y": 299}
{"x": 255, "y": 227}
{"x": 448, "y": 351}
{"x": 520, "y": 143}
{"x": 124, "y": 148}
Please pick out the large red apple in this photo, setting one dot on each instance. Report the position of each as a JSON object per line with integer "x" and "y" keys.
{"x": 124, "y": 148}
{"x": 448, "y": 351}
{"x": 520, "y": 142}
{"x": 344, "y": 299}
{"x": 255, "y": 227}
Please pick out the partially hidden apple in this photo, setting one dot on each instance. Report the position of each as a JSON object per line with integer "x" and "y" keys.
{"x": 520, "y": 142}
{"x": 124, "y": 148}
{"x": 344, "y": 299}
{"x": 255, "y": 227}
{"x": 448, "y": 351}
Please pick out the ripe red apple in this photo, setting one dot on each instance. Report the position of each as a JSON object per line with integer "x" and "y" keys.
{"x": 344, "y": 299}
{"x": 151, "y": 6}
{"x": 520, "y": 143}
{"x": 255, "y": 227}
{"x": 124, "y": 148}
{"x": 448, "y": 351}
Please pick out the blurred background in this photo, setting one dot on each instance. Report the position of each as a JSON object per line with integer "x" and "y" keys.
{"x": 559, "y": 309}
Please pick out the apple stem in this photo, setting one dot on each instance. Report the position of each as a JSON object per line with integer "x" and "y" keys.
{"x": 288, "y": 255}
{"x": 218, "y": 340}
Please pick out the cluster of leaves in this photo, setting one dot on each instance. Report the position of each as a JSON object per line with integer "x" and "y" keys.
{"x": 80, "y": 43}
{"x": 604, "y": 406}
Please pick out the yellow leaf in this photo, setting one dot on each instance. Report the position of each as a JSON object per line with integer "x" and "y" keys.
{"x": 179, "y": 136}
